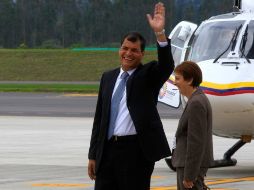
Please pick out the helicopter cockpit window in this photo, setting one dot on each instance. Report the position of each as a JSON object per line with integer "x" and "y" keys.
{"x": 212, "y": 39}
{"x": 176, "y": 46}
{"x": 249, "y": 47}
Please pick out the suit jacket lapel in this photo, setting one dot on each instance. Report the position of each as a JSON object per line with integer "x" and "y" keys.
{"x": 198, "y": 91}
{"x": 130, "y": 80}
{"x": 111, "y": 85}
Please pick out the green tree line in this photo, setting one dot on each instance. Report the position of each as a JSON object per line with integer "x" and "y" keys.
{"x": 86, "y": 23}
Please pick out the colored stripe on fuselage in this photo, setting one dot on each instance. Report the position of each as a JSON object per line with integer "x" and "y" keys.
{"x": 225, "y": 89}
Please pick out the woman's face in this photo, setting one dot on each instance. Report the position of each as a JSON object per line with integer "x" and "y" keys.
{"x": 184, "y": 86}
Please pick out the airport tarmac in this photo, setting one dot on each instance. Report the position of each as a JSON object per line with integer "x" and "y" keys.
{"x": 46, "y": 153}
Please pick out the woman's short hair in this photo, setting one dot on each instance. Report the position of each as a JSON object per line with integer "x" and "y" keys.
{"x": 190, "y": 70}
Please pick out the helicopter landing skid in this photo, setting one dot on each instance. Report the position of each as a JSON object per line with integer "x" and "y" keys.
{"x": 225, "y": 162}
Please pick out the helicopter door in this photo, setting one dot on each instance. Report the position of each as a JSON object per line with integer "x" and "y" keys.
{"x": 180, "y": 37}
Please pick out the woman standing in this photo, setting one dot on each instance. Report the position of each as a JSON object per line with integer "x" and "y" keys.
{"x": 194, "y": 147}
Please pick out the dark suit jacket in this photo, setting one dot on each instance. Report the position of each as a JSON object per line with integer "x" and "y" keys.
{"x": 194, "y": 146}
{"x": 142, "y": 93}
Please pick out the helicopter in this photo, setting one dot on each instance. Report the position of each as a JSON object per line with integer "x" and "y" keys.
{"x": 223, "y": 47}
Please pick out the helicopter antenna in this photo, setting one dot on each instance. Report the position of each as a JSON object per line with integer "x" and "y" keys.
{"x": 237, "y": 5}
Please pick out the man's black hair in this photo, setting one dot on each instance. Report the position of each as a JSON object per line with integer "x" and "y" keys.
{"x": 134, "y": 37}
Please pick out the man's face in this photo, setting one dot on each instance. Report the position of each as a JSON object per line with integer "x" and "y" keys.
{"x": 130, "y": 54}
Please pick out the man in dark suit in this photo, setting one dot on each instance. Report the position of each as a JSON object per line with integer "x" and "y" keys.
{"x": 125, "y": 145}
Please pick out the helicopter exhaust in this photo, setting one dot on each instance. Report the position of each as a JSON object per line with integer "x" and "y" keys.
{"x": 243, "y": 5}
{"x": 237, "y": 5}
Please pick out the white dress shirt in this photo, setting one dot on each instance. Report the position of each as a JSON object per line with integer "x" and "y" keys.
{"x": 124, "y": 124}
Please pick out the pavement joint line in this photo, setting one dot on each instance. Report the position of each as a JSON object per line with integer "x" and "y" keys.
{"x": 175, "y": 188}
{"x": 164, "y": 188}
{"x": 209, "y": 181}
{"x": 60, "y": 185}
{"x": 158, "y": 177}
{"x": 229, "y": 180}
{"x": 82, "y": 95}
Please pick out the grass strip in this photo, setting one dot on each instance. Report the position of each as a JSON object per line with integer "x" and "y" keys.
{"x": 58, "y": 65}
{"x": 77, "y": 88}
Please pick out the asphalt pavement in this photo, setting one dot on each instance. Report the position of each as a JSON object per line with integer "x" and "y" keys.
{"x": 59, "y": 105}
{"x": 46, "y": 153}
{"x": 44, "y": 141}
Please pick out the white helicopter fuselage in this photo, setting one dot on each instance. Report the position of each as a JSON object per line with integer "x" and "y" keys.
{"x": 231, "y": 95}
{"x": 229, "y": 82}
{"x": 223, "y": 47}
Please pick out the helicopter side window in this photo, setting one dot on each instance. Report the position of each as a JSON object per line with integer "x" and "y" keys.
{"x": 249, "y": 47}
{"x": 176, "y": 46}
{"x": 250, "y": 53}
